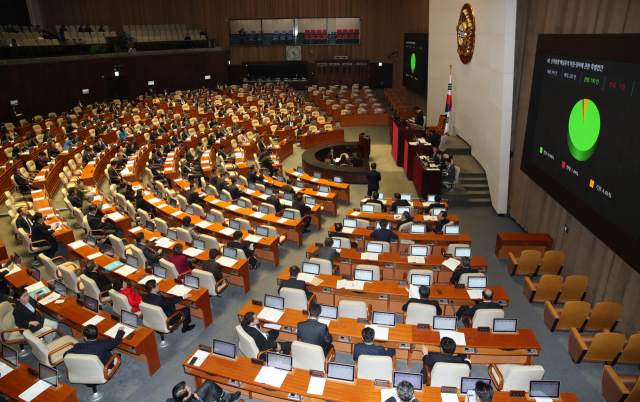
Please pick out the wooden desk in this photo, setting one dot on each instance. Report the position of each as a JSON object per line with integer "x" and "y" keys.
{"x": 63, "y": 235}
{"x": 426, "y": 180}
{"x": 399, "y": 130}
{"x": 395, "y": 266}
{"x": 342, "y": 190}
{"x": 19, "y": 380}
{"x": 408, "y": 340}
{"x": 5, "y": 177}
{"x": 283, "y": 149}
{"x": 517, "y": 242}
{"x": 418, "y": 205}
{"x": 327, "y": 137}
{"x": 93, "y": 172}
{"x": 390, "y": 296}
{"x": 410, "y": 150}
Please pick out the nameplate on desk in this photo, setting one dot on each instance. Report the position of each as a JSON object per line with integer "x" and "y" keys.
{"x": 460, "y": 286}
{"x": 360, "y": 250}
{"x": 388, "y": 265}
{"x": 363, "y": 321}
{"x": 404, "y": 230}
{"x": 431, "y": 243}
{"x": 356, "y": 209}
{"x": 404, "y": 253}
{"x": 517, "y": 394}
{"x": 359, "y": 237}
{"x": 469, "y": 350}
{"x": 178, "y": 281}
{"x": 286, "y": 329}
{"x": 205, "y": 348}
{"x": 79, "y": 302}
{"x": 531, "y": 351}
{"x": 382, "y": 297}
{"x": 319, "y": 244}
{"x": 369, "y": 227}
{"x": 256, "y": 302}
{"x": 404, "y": 345}
{"x": 345, "y": 260}
{"x": 447, "y": 255}
{"x": 448, "y": 390}
{"x": 235, "y": 383}
{"x": 403, "y": 283}
{"x": 347, "y": 277}
{"x": 257, "y": 361}
{"x": 33, "y": 372}
{"x": 435, "y": 267}
{"x": 314, "y": 373}
{"x": 326, "y": 290}
{"x": 382, "y": 383}
{"x": 424, "y": 326}
{"x": 484, "y": 329}
{"x": 344, "y": 338}
{"x": 305, "y": 312}
{"x": 234, "y": 272}
{"x": 115, "y": 318}
{"x": 148, "y": 271}
{"x": 443, "y": 301}
{"x": 502, "y": 302}
{"x": 294, "y": 397}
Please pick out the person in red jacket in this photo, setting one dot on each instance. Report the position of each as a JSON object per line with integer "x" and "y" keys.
{"x": 179, "y": 260}
{"x": 133, "y": 298}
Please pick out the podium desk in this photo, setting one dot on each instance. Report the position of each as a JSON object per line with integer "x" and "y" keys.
{"x": 221, "y": 370}
{"x": 283, "y": 149}
{"x": 399, "y": 131}
{"x": 517, "y": 242}
{"x": 394, "y": 266}
{"x": 410, "y": 150}
{"x": 19, "y": 380}
{"x": 427, "y": 180}
{"x": 364, "y": 143}
{"x": 385, "y": 295}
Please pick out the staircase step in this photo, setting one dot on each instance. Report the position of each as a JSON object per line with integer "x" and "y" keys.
{"x": 478, "y": 194}
{"x": 458, "y": 151}
{"x": 479, "y": 201}
{"x": 464, "y": 175}
{"x": 476, "y": 186}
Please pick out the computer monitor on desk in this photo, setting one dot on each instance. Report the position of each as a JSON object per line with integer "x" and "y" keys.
{"x": 477, "y": 282}
{"x": 311, "y": 268}
{"x": 211, "y": 217}
{"x": 160, "y": 271}
{"x": 406, "y": 197}
{"x": 230, "y": 252}
{"x": 241, "y": 203}
{"x": 383, "y": 318}
{"x": 419, "y": 251}
{"x": 91, "y": 304}
{"x": 172, "y": 235}
{"x": 48, "y": 375}
{"x": 445, "y": 323}
{"x": 418, "y": 228}
{"x": 365, "y": 275}
{"x": 414, "y": 378}
{"x": 341, "y": 372}
{"x": 224, "y": 349}
{"x": 452, "y": 229}
{"x": 349, "y": 223}
{"x": 462, "y": 252}
{"x": 129, "y": 319}
{"x": 369, "y": 208}
{"x": 317, "y": 175}
{"x": 431, "y": 198}
{"x": 501, "y": 325}
{"x": 10, "y": 356}
{"x": 468, "y": 383}
{"x": 374, "y": 248}
{"x": 419, "y": 280}
{"x": 329, "y": 312}
{"x": 544, "y": 389}
{"x": 132, "y": 261}
{"x": 280, "y": 361}
{"x": 262, "y": 231}
{"x": 274, "y": 302}
{"x": 150, "y": 226}
{"x": 401, "y": 210}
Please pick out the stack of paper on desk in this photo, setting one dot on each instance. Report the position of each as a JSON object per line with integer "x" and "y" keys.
{"x": 94, "y": 256}
{"x": 350, "y": 285}
{"x": 319, "y": 194}
{"x": 282, "y": 220}
{"x": 200, "y": 356}
{"x": 308, "y": 278}
{"x": 203, "y": 224}
{"x": 451, "y": 263}
{"x": 227, "y": 231}
{"x": 232, "y": 207}
{"x": 271, "y": 376}
{"x": 369, "y": 256}
{"x": 93, "y": 321}
{"x": 147, "y": 278}
{"x": 253, "y": 238}
{"x": 316, "y": 386}
{"x": 179, "y": 290}
{"x": 192, "y": 252}
{"x": 77, "y": 244}
{"x": 355, "y": 213}
{"x": 382, "y": 333}
{"x": 136, "y": 229}
{"x": 226, "y": 261}
{"x": 164, "y": 242}
{"x": 416, "y": 260}
{"x": 111, "y": 333}
{"x": 270, "y": 314}
{"x": 458, "y": 337}
{"x": 115, "y": 216}
{"x": 33, "y": 391}
{"x": 4, "y": 369}
{"x": 258, "y": 215}
{"x": 474, "y": 293}
{"x": 347, "y": 230}
{"x": 46, "y": 300}
{"x": 126, "y": 270}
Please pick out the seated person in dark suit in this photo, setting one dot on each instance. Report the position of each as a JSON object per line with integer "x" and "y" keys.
{"x": 487, "y": 303}
{"x": 304, "y": 211}
{"x": 406, "y": 218}
{"x": 234, "y": 190}
{"x": 436, "y": 204}
{"x": 96, "y": 221}
{"x": 209, "y": 391}
{"x": 439, "y": 160}
{"x": 248, "y": 251}
{"x": 122, "y": 190}
{"x": 91, "y": 271}
{"x": 264, "y": 340}
{"x": 287, "y": 187}
{"x": 314, "y": 332}
{"x": 404, "y": 393}
{"x": 212, "y": 266}
{"x": 399, "y": 202}
{"x": 222, "y": 183}
{"x": 442, "y": 220}
{"x": 466, "y": 269}
{"x": 41, "y": 161}
{"x": 94, "y": 346}
{"x": 327, "y": 252}
{"x": 191, "y": 195}
{"x": 275, "y": 201}
{"x": 447, "y": 349}
{"x": 168, "y": 305}
{"x": 449, "y": 173}
{"x": 434, "y": 138}
{"x": 151, "y": 256}
{"x": 374, "y": 200}
{"x": 368, "y": 347}
{"x": 294, "y": 283}
{"x": 338, "y": 233}
{"x": 254, "y": 176}
{"x": 384, "y": 233}
{"x": 424, "y": 291}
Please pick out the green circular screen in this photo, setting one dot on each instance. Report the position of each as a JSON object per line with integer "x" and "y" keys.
{"x": 584, "y": 129}
{"x": 413, "y": 63}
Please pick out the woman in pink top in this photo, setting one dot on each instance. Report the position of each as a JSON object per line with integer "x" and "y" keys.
{"x": 179, "y": 260}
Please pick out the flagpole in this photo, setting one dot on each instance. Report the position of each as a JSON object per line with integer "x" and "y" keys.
{"x": 448, "y": 105}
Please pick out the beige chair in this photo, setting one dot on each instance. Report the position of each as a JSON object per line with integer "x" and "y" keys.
{"x": 354, "y": 309}
{"x": 485, "y": 317}
{"x": 136, "y": 252}
{"x": 210, "y": 242}
{"x": 161, "y": 226}
{"x": 377, "y": 274}
{"x": 306, "y": 356}
{"x": 172, "y": 271}
{"x": 153, "y": 317}
{"x": 89, "y": 370}
{"x": 296, "y": 299}
{"x": 54, "y": 271}
{"x": 50, "y": 354}
{"x": 91, "y": 289}
{"x": 120, "y": 302}
{"x": 184, "y": 235}
{"x": 70, "y": 279}
{"x": 247, "y": 345}
{"x": 514, "y": 377}
{"x": 9, "y": 331}
{"x": 446, "y": 374}
{"x": 208, "y": 281}
{"x": 120, "y": 250}
{"x": 375, "y": 367}
{"x": 326, "y": 267}
{"x": 419, "y": 314}
{"x": 33, "y": 247}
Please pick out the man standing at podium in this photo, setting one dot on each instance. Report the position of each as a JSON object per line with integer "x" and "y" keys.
{"x": 420, "y": 117}
{"x": 374, "y": 180}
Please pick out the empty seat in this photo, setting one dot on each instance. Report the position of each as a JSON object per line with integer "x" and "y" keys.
{"x": 508, "y": 377}
{"x": 604, "y": 347}
{"x": 573, "y": 314}
{"x": 620, "y": 387}
{"x": 547, "y": 289}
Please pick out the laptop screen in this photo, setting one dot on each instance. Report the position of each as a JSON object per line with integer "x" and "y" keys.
{"x": 274, "y": 302}
{"x": 234, "y": 224}
{"x": 300, "y": 183}
{"x": 368, "y": 208}
{"x": 224, "y": 349}
{"x": 208, "y": 190}
{"x": 211, "y": 218}
{"x": 288, "y": 196}
{"x": 192, "y": 282}
{"x": 383, "y": 318}
{"x": 189, "y": 211}
{"x": 230, "y": 252}
{"x": 349, "y": 223}
{"x": 268, "y": 191}
{"x": 341, "y": 372}
{"x": 337, "y": 244}
{"x": 505, "y": 325}
{"x": 406, "y": 197}
{"x": 263, "y": 209}
{"x": 280, "y": 178}
{"x": 323, "y": 189}
{"x": 160, "y": 271}
{"x": 462, "y": 252}
{"x": 223, "y": 197}
{"x": 299, "y": 169}
{"x": 91, "y": 304}
{"x": 419, "y": 280}
{"x": 280, "y": 361}
{"x": 413, "y": 378}
{"x": 10, "y": 356}
{"x": 418, "y": 228}
{"x": 477, "y": 282}
{"x": 541, "y": 389}
{"x": 35, "y": 274}
{"x": 48, "y": 375}
{"x": 262, "y": 231}
{"x": 129, "y": 319}
{"x": 317, "y": 175}
{"x": 363, "y": 275}
{"x": 241, "y": 203}
{"x": 402, "y": 210}
{"x": 288, "y": 214}
{"x": 374, "y": 248}
{"x": 252, "y": 186}
{"x": 330, "y": 312}
{"x": 452, "y": 229}
{"x": 310, "y": 201}
{"x": 431, "y": 198}
{"x": 436, "y": 211}
{"x": 468, "y": 383}
{"x": 173, "y": 202}
{"x": 91, "y": 241}
{"x": 132, "y": 261}
{"x": 420, "y": 251}
{"x": 172, "y": 235}
{"x": 311, "y": 268}
{"x": 199, "y": 244}
{"x": 337, "y": 179}
{"x": 445, "y": 323}
{"x": 150, "y": 226}
{"x": 59, "y": 288}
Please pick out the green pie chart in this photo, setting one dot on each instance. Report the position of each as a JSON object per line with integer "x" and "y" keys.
{"x": 413, "y": 63}
{"x": 584, "y": 129}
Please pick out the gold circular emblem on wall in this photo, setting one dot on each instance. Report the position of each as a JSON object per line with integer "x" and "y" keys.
{"x": 466, "y": 33}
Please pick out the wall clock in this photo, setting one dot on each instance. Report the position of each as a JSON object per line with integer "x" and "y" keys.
{"x": 466, "y": 33}
{"x": 294, "y": 53}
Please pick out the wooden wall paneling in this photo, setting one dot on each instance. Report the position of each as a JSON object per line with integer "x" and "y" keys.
{"x": 630, "y": 297}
